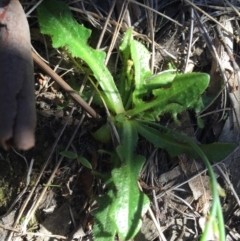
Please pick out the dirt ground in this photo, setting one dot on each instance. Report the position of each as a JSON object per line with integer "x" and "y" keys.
{"x": 46, "y": 197}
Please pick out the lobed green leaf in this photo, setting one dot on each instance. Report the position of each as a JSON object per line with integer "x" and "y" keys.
{"x": 183, "y": 93}
{"x": 140, "y": 56}
{"x": 130, "y": 203}
{"x": 104, "y": 229}
{"x": 56, "y": 20}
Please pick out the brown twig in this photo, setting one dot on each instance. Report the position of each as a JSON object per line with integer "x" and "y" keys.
{"x": 65, "y": 86}
{"x": 33, "y": 234}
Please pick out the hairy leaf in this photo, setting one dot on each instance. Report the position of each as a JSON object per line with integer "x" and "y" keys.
{"x": 135, "y": 70}
{"x": 160, "y": 80}
{"x": 104, "y": 229}
{"x": 140, "y": 57}
{"x": 125, "y": 80}
{"x": 181, "y": 95}
{"x": 130, "y": 204}
{"x": 56, "y": 19}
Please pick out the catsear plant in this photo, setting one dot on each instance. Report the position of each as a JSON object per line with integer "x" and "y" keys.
{"x": 136, "y": 100}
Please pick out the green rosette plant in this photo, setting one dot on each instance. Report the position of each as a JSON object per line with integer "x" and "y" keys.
{"x": 135, "y": 101}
